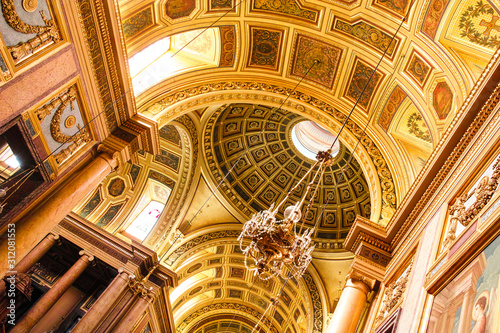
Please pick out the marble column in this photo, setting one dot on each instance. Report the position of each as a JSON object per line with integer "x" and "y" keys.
{"x": 135, "y": 312}
{"x": 99, "y": 310}
{"x": 348, "y": 311}
{"x": 33, "y": 257}
{"x": 33, "y": 227}
{"x": 44, "y": 304}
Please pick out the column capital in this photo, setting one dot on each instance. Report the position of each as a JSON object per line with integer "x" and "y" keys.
{"x": 358, "y": 280}
{"x": 56, "y": 239}
{"x": 111, "y": 155}
{"x": 90, "y": 257}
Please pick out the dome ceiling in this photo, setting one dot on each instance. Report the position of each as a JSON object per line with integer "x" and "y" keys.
{"x": 258, "y": 140}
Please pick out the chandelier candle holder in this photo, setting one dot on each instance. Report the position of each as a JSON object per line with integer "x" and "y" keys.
{"x": 275, "y": 243}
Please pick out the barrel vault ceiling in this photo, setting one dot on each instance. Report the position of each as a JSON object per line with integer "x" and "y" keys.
{"x": 238, "y": 88}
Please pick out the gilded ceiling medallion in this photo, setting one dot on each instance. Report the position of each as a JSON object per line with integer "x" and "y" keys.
{"x": 70, "y": 122}
{"x": 30, "y": 5}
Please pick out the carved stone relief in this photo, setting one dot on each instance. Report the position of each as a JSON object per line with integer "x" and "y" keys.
{"x": 60, "y": 133}
{"x": 36, "y": 36}
{"x": 393, "y": 295}
{"x": 459, "y": 213}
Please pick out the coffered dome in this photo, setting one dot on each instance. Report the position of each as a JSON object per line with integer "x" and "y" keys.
{"x": 258, "y": 140}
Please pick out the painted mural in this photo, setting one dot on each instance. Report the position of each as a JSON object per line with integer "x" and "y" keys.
{"x": 179, "y": 8}
{"x": 361, "y": 83}
{"x": 416, "y": 126}
{"x": 136, "y": 24}
{"x": 393, "y": 6}
{"x": 266, "y": 48}
{"x": 471, "y": 302}
{"x": 433, "y": 17}
{"x": 418, "y": 69}
{"x": 478, "y": 23}
{"x": 221, "y": 4}
{"x": 368, "y": 34}
{"x": 397, "y": 97}
{"x": 442, "y": 100}
{"x": 228, "y": 44}
{"x": 287, "y": 7}
{"x": 306, "y": 51}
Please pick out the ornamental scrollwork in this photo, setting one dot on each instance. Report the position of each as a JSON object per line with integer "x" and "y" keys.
{"x": 59, "y": 104}
{"x": 393, "y": 295}
{"x": 482, "y": 193}
{"x": 45, "y": 35}
{"x": 247, "y": 310}
{"x": 68, "y": 97}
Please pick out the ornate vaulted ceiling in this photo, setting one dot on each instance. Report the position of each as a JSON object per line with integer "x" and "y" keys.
{"x": 217, "y": 291}
{"x": 234, "y": 92}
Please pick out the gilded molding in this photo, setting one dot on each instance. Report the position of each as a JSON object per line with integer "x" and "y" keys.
{"x": 44, "y": 34}
{"x": 316, "y": 299}
{"x": 364, "y": 237}
{"x": 102, "y": 61}
{"x": 64, "y": 99}
{"x": 187, "y": 173}
{"x": 249, "y": 311}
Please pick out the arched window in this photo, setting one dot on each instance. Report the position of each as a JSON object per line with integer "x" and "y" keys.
{"x": 146, "y": 220}
{"x": 187, "y": 51}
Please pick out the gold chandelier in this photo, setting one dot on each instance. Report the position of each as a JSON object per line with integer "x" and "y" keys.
{"x": 275, "y": 243}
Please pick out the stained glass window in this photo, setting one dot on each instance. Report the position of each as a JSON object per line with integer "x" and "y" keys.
{"x": 146, "y": 220}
